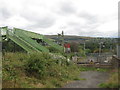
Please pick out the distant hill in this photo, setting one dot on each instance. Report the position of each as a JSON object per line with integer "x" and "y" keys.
{"x": 79, "y": 39}
{"x": 69, "y": 38}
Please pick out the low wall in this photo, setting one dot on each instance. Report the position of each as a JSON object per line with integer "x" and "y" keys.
{"x": 115, "y": 61}
{"x": 96, "y": 66}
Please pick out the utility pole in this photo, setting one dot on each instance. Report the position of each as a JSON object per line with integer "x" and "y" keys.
{"x": 60, "y": 40}
{"x": 84, "y": 48}
{"x": 99, "y": 52}
{"x": 99, "y": 48}
{"x": 118, "y": 48}
{"x": 63, "y": 40}
{"x": 111, "y": 48}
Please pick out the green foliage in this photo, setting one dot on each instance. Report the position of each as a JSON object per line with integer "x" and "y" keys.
{"x": 93, "y": 44}
{"x": 74, "y": 47}
{"x": 112, "y": 82}
{"x": 10, "y": 46}
{"x": 53, "y": 50}
{"x": 93, "y": 69}
{"x": 87, "y": 51}
{"x": 36, "y": 64}
{"x": 12, "y": 61}
{"x": 108, "y": 85}
{"x": 41, "y": 65}
{"x": 81, "y": 52}
{"x": 27, "y": 70}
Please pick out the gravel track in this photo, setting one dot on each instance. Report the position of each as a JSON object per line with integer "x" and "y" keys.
{"x": 92, "y": 79}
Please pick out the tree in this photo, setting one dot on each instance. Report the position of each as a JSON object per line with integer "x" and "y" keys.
{"x": 74, "y": 47}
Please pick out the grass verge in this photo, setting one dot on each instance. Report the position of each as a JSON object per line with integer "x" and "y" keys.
{"x": 93, "y": 69}
{"x": 113, "y": 81}
{"x": 36, "y": 70}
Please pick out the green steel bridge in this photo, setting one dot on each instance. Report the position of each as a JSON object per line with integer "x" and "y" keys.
{"x": 26, "y": 39}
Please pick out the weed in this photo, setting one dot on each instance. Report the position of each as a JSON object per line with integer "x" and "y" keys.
{"x": 112, "y": 82}
{"x": 26, "y": 70}
{"x": 93, "y": 69}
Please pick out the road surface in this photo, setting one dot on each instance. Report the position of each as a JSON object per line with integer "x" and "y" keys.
{"x": 91, "y": 80}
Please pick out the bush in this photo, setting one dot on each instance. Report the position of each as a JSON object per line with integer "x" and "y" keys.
{"x": 36, "y": 64}
{"x": 74, "y": 47}
{"x": 112, "y": 82}
{"x": 53, "y": 50}
{"x": 40, "y": 67}
{"x": 109, "y": 85}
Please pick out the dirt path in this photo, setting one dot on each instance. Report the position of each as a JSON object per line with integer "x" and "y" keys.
{"x": 92, "y": 79}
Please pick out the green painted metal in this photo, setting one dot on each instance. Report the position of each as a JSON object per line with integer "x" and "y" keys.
{"x": 33, "y": 43}
{"x": 21, "y": 43}
{"x": 30, "y": 34}
{"x": 24, "y": 39}
{"x": 39, "y": 36}
{"x": 3, "y": 30}
{"x": 60, "y": 48}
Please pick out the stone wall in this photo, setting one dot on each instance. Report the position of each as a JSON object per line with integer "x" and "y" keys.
{"x": 115, "y": 61}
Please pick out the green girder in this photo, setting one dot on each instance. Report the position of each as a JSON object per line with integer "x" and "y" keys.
{"x": 24, "y": 39}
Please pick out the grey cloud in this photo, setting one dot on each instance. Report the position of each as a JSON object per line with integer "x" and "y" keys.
{"x": 84, "y": 29}
{"x": 45, "y": 22}
{"x": 37, "y": 20}
{"x": 67, "y": 8}
{"x": 113, "y": 34}
{"x": 84, "y": 32}
{"x": 5, "y": 13}
{"x": 91, "y": 33}
{"x": 88, "y": 28}
{"x": 92, "y": 19}
{"x": 73, "y": 24}
{"x": 92, "y": 22}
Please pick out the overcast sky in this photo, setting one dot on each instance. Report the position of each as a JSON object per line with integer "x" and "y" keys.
{"x": 74, "y": 17}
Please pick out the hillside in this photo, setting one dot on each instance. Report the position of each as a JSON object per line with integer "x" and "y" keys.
{"x": 80, "y": 39}
{"x": 69, "y": 38}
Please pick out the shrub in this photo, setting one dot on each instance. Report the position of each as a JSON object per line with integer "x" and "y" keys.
{"x": 40, "y": 67}
{"x": 112, "y": 82}
{"x": 53, "y": 50}
{"x": 36, "y": 64}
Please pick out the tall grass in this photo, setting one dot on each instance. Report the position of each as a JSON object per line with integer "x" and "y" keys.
{"x": 113, "y": 81}
{"x": 36, "y": 70}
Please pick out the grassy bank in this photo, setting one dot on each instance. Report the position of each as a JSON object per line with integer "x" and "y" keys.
{"x": 94, "y": 69}
{"x": 113, "y": 81}
{"x": 36, "y": 70}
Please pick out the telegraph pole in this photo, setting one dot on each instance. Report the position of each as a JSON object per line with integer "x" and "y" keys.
{"x": 99, "y": 48}
{"x": 118, "y": 48}
{"x": 63, "y": 40}
{"x": 84, "y": 48}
